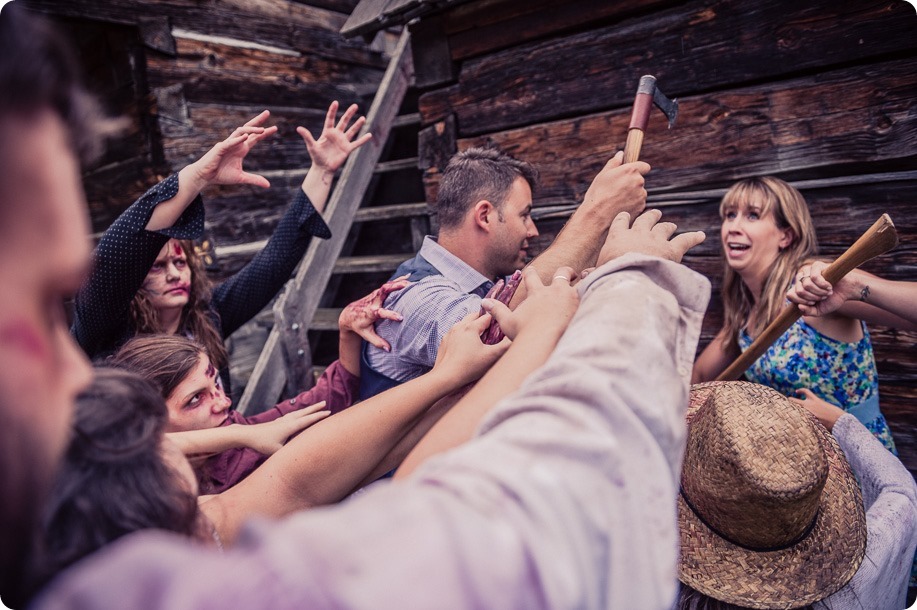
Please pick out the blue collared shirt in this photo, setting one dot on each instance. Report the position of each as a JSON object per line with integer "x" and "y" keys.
{"x": 430, "y": 307}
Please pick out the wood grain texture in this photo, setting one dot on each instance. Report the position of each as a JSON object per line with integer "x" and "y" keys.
{"x": 707, "y": 45}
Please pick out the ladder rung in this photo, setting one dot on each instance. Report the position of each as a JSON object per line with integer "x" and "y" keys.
{"x": 403, "y": 120}
{"x": 325, "y": 319}
{"x": 365, "y": 264}
{"x": 396, "y": 165}
{"x": 387, "y": 212}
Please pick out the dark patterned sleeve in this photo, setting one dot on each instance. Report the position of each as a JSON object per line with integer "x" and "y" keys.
{"x": 101, "y": 316}
{"x": 243, "y": 295}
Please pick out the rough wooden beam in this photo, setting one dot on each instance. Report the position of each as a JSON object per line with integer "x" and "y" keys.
{"x": 859, "y": 115}
{"x": 301, "y": 297}
{"x": 684, "y": 47}
{"x": 432, "y": 58}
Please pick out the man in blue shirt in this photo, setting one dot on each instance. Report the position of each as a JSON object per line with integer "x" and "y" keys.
{"x": 484, "y": 210}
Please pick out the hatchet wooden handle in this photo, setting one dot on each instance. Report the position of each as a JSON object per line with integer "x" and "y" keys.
{"x": 878, "y": 239}
{"x": 633, "y": 145}
{"x": 639, "y": 117}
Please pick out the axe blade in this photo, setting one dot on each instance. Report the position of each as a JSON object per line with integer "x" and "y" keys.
{"x": 667, "y": 106}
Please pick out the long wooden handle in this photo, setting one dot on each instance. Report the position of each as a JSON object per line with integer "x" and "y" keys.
{"x": 878, "y": 239}
{"x": 633, "y": 145}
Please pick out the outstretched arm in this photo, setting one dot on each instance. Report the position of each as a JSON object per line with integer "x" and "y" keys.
{"x": 242, "y": 296}
{"x": 325, "y": 462}
{"x": 264, "y": 438}
{"x": 858, "y": 294}
{"x": 534, "y": 327}
{"x": 617, "y": 188}
{"x": 222, "y": 164}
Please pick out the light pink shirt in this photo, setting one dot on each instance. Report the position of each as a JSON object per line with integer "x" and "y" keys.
{"x": 565, "y": 499}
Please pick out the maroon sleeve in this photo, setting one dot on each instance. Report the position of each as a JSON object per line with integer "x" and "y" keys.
{"x": 337, "y": 386}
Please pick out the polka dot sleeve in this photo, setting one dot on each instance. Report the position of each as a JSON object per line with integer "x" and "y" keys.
{"x": 243, "y": 295}
{"x": 120, "y": 263}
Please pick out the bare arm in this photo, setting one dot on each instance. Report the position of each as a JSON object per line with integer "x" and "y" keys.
{"x": 617, "y": 188}
{"x": 718, "y": 355}
{"x": 859, "y": 294}
{"x": 328, "y": 460}
{"x": 222, "y": 164}
{"x": 535, "y": 327}
{"x": 264, "y": 438}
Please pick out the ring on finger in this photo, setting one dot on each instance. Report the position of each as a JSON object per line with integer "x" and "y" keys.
{"x": 562, "y": 277}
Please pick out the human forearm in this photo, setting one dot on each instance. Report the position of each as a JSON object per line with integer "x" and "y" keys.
{"x": 349, "y": 346}
{"x": 317, "y": 186}
{"x": 576, "y": 246}
{"x": 617, "y": 188}
{"x": 209, "y": 441}
{"x": 896, "y": 299}
{"x": 167, "y": 213}
{"x": 528, "y": 351}
{"x": 326, "y": 461}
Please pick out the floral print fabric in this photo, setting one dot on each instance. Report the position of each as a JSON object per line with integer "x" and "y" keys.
{"x": 843, "y": 374}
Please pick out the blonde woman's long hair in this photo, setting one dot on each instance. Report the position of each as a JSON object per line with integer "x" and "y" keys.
{"x": 195, "y": 317}
{"x": 790, "y": 211}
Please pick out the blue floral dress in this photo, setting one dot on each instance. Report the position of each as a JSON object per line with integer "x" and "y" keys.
{"x": 843, "y": 374}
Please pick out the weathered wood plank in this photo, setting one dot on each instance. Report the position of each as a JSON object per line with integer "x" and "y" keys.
{"x": 388, "y": 212}
{"x": 369, "y": 264}
{"x": 278, "y": 23}
{"x": 684, "y": 47}
{"x": 482, "y": 27}
{"x": 223, "y": 74}
{"x": 860, "y": 115}
{"x": 302, "y": 295}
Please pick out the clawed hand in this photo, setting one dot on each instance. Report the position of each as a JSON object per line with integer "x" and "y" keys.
{"x": 222, "y": 164}
{"x": 336, "y": 142}
{"x": 360, "y": 316}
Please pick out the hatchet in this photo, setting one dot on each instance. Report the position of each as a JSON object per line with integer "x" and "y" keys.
{"x": 878, "y": 239}
{"x": 647, "y": 95}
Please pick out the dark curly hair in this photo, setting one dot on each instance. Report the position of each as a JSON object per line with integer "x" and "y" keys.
{"x": 113, "y": 480}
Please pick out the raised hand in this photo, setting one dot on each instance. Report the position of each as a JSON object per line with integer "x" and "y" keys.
{"x": 336, "y": 142}
{"x": 222, "y": 164}
{"x": 647, "y": 236}
{"x": 618, "y": 187}
{"x": 360, "y": 316}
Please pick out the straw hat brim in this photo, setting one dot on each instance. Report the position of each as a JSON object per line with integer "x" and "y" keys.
{"x": 820, "y": 564}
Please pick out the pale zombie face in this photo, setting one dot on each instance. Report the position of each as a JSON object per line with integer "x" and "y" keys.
{"x": 44, "y": 255}
{"x": 752, "y": 240}
{"x": 512, "y": 230}
{"x": 168, "y": 282}
{"x": 198, "y": 402}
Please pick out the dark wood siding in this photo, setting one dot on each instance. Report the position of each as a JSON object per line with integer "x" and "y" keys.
{"x": 819, "y": 93}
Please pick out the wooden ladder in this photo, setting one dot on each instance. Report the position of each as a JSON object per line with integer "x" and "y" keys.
{"x": 285, "y": 363}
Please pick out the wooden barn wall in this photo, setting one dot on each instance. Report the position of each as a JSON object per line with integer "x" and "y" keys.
{"x": 819, "y": 93}
{"x": 200, "y": 69}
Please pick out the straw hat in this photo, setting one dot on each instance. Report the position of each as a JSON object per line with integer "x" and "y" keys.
{"x": 770, "y": 514}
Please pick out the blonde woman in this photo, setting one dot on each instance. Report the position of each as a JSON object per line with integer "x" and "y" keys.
{"x": 769, "y": 243}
